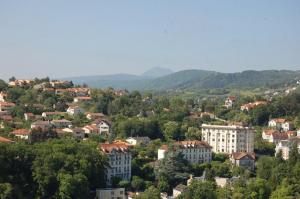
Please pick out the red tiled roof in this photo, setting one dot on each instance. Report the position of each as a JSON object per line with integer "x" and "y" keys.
{"x": 280, "y": 136}
{"x": 5, "y": 140}
{"x": 21, "y": 132}
{"x": 240, "y": 155}
{"x": 279, "y": 120}
{"x": 7, "y": 104}
{"x": 117, "y": 146}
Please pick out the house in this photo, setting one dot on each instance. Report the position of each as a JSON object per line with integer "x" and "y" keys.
{"x": 89, "y": 129}
{"x": 75, "y": 110}
{"x": 6, "y": 118}
{"x": 142, "y": 141}
{"x": 94, "y": 116}
{"x": 110, "y": 193}
{"x": 29, "y": 116}
{"x": 5, "y": 140}
{"x": 243, "y": 159}
{"x": 119, "y": 160}
{"x": 103, "y": 125}
{"x": 78, "y": 133}
{"x": 21, "y": 133}
{"x": 193, "y": 151}
{"x": 61, "y": 123}
{"x": 51, "y": 115}
{"x": 249, "y": 106}
{"x": 20, "y": 82}
{"x": 60, "y": 83}
{"x": 220, "y": 181}
{"x": 41, "y": 124}
{"x": 229, "y": 102}
{"x": 3, "y": 96}
{"x": 6, "y": 106}
{"x": 280, "y": 124}
{"x": 274, "y": 136}
{"x": 179, "y": 189}
{"x": 285, "y": 146}
{"x": 229, "y": 139}
{"x": 82, "y": 99}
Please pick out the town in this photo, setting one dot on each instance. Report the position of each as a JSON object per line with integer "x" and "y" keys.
{"x": 71, "y": 141}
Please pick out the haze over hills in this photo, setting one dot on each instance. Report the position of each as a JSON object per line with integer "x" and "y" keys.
{"x": 190, "y": 79}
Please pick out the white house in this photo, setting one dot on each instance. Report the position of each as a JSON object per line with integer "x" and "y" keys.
{"x": 52, "y": 114}
{"x": 229, "y": 139}
{"x": 78, "y": 133}
{"x": 75, "y": 110}
{"x": 274, "y": 136}
{"x": 229, "y": 102}
{"x": 93, "y": 116}
{"x": 104, "y": 128}
{"x": 249, "y": 106}
{"x": 110, "y": 193}
{"x": 194, "y": 151}
{"x": 143, "y": 141}
{"x": 119, "y": 160}
{"x": 21, "y": 133}
{"x": 179, "y": 189}
{"x": 285, "y": 146}
{"x": 280, "y": 124}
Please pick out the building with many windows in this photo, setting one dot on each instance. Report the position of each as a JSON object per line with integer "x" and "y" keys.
{"x": 119, "y": 159}
{"x": 285, "y": 146}
{"x": 229, "y": 139}
{"x": 194, "y": 151}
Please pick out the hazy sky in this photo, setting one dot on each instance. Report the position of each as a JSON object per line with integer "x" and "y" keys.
{"x": 60, "y": 38}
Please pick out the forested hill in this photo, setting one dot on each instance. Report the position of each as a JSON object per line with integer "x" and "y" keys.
{"x": 197, "y": 79}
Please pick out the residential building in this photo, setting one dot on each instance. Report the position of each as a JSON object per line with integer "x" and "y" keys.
{"x": 41, "y": 124}
{"x": 6, "y": 106}
{"x": 82, "y": 99}
{"x": 119, "y": 160}
{"x": 229, "y": 102}
{"x": 193, "y": 151}
{"x": 75, "y": 110}
{"x": 243, "y": 159}
{"x": 280, "y": 124}
{"x": 51, "y": 115}
{"x": 89, "y": 129}
{"x": 285, "y": 146}
{"x": 274, "y": 136}
{"x": 78, "y": 133}
{"x": 249, "y": 106}
{"x": 142, "y": 141}
{"x": 61, "y": 123}
{"x": 21, "y": 133}
{"x": 94, "y": 116}
{"x": 229, "y": 139}
{"x": 110, "y": 193}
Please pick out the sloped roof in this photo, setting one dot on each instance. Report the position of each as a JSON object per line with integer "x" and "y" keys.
{"x": 240, "y": 155}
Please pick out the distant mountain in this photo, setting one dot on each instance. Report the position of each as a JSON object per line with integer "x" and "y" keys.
{"x": 192, "y": 79}
{"x": 157, "y": 72}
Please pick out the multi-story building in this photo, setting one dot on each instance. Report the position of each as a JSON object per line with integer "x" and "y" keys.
{"x": 194, "y": 151}
{"x": 285, "y": 146}
{"x": 229, "y": 102}
{"x": 119, "y": 159}
{"x": 110, "y": 193}
{"x": 229, "y": 139}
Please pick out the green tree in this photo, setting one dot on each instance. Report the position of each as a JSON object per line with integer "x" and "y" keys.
{"x": 171, "y": 130}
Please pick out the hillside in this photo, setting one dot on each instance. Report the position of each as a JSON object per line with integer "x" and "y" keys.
{"x": 196, "y": 79}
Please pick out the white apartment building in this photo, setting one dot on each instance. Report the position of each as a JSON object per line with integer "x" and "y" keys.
{"x": 229, "y": 139}
{"x": 119, "y": 159}
{"x": 285, "y": 146}
{"x": 194, "y": 151}
{"x": 110, "y": 193}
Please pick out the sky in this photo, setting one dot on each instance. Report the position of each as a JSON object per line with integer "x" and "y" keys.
{"x": 63, "y": 38}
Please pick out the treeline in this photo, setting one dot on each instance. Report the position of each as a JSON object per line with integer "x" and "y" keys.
{"x": 52, "y": 169}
